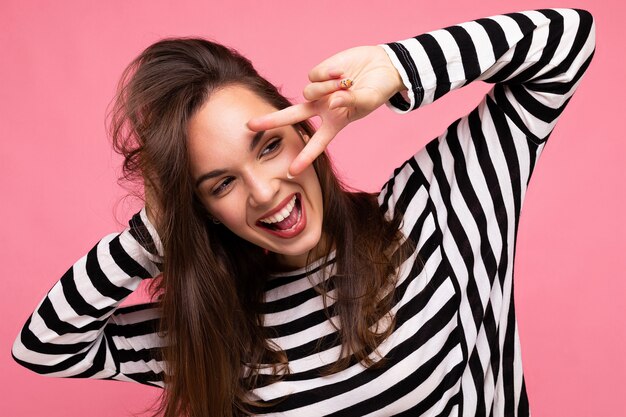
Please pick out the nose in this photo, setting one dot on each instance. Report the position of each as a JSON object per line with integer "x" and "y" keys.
{"x": 262, "y": 190}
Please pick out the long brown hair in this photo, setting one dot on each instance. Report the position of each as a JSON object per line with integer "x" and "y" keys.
{"x": 209, "y": 298}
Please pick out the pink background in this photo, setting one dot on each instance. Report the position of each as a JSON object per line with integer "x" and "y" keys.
{"x": 60, "y": 65}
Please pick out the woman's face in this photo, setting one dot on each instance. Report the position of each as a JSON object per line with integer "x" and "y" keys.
{"x": 241, "y": 176}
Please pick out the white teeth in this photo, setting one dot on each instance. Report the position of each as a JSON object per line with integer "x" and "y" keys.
{"x": 281, "y": 215}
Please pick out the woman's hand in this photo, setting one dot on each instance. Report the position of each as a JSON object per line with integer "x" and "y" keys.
{"x": 374, "y": 79}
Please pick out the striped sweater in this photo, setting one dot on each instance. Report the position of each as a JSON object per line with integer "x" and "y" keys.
{"x": 455, "y": 349}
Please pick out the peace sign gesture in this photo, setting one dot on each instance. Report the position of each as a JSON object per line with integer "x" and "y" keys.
{"x": 374, "y": 80}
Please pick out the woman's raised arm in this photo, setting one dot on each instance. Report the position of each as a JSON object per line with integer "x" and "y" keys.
{"x": 535, "y": 57}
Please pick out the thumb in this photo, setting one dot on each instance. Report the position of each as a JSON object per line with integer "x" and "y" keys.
{"x": 358, "y": 103}
{"x": 341, "y": 98}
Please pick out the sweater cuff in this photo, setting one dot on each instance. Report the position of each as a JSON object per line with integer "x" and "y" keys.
{"x": 146, "y": 235}
{"x": 406, "y": 101}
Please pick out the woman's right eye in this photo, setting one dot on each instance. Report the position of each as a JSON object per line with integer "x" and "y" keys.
{"x": 222, "y": 186}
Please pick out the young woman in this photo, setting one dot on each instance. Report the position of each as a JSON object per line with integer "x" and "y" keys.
{"x": 278, "y": 292}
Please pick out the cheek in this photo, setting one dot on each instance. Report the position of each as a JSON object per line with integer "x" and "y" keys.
{"x": 294, "y": 146}
{"x": 314, "y": 190}
{"x": 289, "y": 153}
{"x": 278, "y": 166}
{"x": 230, "y": 210}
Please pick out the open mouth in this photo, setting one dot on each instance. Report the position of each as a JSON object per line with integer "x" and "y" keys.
{"x": 288, "y": 221}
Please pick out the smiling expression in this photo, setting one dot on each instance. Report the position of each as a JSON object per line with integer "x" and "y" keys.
{"x": 241, "y": 176}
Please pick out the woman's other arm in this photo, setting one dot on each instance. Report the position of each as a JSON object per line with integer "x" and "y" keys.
{"x": 77, "y": 329}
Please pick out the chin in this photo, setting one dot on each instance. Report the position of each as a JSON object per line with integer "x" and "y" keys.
{"x": 304, "y": 247}
{"x": 300, "y": 248}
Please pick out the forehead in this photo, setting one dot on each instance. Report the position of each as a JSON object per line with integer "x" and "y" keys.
{"x": 225, "y": 115}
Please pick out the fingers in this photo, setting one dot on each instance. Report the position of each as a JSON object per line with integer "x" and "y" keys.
{"x": 314, "y": 148}
{"x": 358, "y": 103}
{"x": 317, "y": 90}
{"x": 343, "y": 98}
{"x": 289, "y": 116}
{"x": 323, "y": 72}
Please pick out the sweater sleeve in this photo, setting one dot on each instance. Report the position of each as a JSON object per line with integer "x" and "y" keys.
{"x": 535, "y": 59}
{"x": 460, "y": 196}
{"x": 78, "y": 329}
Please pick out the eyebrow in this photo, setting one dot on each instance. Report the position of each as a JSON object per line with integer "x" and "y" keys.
{"x": 217, "y": 172}
{"x": 256, "y": 139}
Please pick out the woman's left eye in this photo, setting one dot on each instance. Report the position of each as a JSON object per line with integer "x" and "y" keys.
{"x": 273, "y": 146}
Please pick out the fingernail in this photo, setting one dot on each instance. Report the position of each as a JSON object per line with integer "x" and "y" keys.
{"x": 346, "y": 83}
{"x": 289, "y": 176}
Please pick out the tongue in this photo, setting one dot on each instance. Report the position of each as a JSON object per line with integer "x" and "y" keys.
{"x": 288, "y": 221}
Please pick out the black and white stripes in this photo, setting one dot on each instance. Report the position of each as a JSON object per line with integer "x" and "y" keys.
{"x": 79, "y": 331}
{"x": 455, "y": 349}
